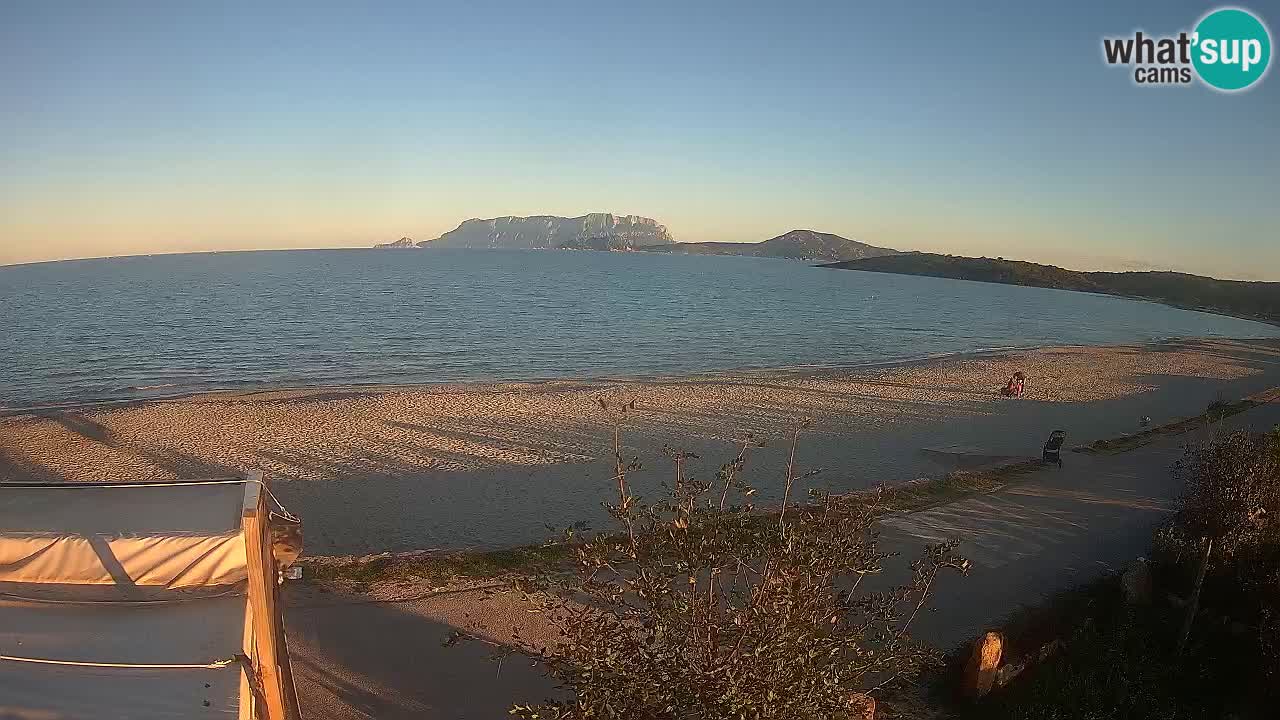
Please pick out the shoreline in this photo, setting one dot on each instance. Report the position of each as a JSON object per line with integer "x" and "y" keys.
{"x": 800, "y": 370}
{"x": 453, "y": 466}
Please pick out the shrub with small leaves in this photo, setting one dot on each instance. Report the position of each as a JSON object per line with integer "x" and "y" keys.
{"x": 1226, "y": 535}
{"x": 702, "y": 606}
{"x": 1230, "y": 486}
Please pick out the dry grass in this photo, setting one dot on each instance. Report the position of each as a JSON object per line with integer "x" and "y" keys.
{"x": 930, "y": 492}
{"x": 431, "y": 570}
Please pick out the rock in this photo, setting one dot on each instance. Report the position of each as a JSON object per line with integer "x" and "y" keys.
{"x": 610, "y": 243}
{"x": 1136, "y": 582}
{"x": 615, "y": 232}
{"x": 403, "y": 243}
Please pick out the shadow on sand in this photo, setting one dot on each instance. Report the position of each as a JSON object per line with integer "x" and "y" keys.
{"x": 355, "y": 660}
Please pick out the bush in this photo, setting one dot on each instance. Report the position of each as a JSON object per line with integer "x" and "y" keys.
{"x": 1229, "y": 517}
{"x": 1224, "y": 543}
{"x": 1140, "y": 663}
{"x": 1230, "y": 486}
{"x": 699, "y": 606}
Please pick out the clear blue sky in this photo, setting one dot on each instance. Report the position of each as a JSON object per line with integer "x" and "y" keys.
{"x": 988, "y": 129}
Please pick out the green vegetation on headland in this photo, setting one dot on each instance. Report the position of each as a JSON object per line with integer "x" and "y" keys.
{"x": 1253, "y": 300}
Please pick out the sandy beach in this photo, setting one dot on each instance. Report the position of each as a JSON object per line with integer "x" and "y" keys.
{"x": 403, "y": 468}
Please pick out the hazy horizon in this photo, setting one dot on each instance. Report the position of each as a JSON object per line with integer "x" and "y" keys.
{"x": 144, "y": 128}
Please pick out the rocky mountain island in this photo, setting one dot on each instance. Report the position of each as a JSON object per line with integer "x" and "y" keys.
{"x": 605, "y": 230}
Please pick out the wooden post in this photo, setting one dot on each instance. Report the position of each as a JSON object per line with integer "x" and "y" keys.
{"x": 984, "y": 661}
{"x": 268, "y": 627}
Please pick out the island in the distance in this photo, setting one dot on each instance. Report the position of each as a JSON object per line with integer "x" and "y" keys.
{"x": 1253, "y": 300}
{"x": 794, "y": 245}
{"x": 632, "y": 233}
{"x": 548, "y": 232}
{"x": 403, "y": 243}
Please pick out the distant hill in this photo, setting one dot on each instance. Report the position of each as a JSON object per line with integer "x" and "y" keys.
{"x": 550, "y": 231}
{"x": 1256, "y": 300}
{"x": 795, "y": 245}
{"x": 808, "y": 244}
{"x": 403, "y": 243}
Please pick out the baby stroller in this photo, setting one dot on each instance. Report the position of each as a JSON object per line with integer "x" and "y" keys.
{"x": 1053, "y": 447}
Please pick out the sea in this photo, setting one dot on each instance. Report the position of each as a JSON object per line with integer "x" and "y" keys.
{"x": 130, "y": 328}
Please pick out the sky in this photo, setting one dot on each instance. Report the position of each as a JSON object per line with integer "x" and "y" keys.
{"x": 968, "y": 128}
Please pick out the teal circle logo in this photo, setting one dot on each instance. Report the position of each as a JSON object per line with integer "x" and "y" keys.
{"x": 1231, "y": 49}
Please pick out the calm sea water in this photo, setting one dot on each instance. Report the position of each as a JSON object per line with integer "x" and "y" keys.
{"x": 146, "y": 326}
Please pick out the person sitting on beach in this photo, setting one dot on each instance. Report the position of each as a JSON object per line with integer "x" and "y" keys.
{"x": 1016, "y": 385}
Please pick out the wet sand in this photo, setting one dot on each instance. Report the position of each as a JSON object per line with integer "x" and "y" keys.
{"x": 405, "y": 468}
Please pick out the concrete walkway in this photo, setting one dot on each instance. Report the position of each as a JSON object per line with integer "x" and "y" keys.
{"x": 1056, "y": 530}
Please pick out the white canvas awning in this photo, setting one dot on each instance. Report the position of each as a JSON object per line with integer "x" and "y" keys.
{"x": 195, "y": 632}
{"x": 137, "y": 601}
{"x": 153, "y": 560}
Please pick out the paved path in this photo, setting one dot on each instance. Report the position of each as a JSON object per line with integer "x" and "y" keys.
{"x": 1060, "y": 528}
